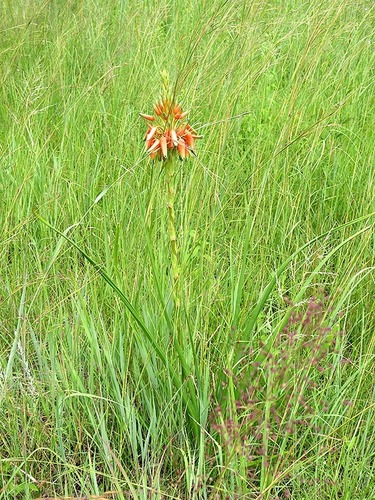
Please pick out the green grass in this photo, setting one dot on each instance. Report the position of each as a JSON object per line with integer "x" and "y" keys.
{"x": 96, "y": 393}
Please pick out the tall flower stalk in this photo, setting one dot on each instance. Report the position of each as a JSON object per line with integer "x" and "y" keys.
{"x": 169, "y": 175}
{"x": 168, "y": 137}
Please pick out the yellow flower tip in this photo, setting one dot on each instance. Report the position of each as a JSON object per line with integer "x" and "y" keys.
{"x": 147, "y": 117}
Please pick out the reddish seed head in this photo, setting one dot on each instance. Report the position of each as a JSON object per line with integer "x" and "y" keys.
{"x": 346, "y": 402}
{"x": 288, "y": 393}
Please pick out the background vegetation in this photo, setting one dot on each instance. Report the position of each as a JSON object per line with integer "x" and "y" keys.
{"x": 96, "y": 394}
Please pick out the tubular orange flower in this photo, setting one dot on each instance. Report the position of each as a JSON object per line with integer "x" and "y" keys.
{"x": 147, "y": 117}
{"x": 166, "y": 133}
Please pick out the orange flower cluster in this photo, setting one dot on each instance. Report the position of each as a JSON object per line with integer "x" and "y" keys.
{"x": 166, "y": 133}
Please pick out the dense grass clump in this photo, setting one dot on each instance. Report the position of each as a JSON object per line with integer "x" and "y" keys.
{"x": 260, "y": 384}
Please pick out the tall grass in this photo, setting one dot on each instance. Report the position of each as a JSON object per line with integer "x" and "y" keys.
{"x": 96, "y": 395}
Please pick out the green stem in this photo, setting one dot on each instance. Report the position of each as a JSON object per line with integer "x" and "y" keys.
{"x": 169, "y": 175}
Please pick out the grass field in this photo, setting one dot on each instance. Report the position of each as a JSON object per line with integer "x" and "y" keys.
{"x": 260, "y": 385}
